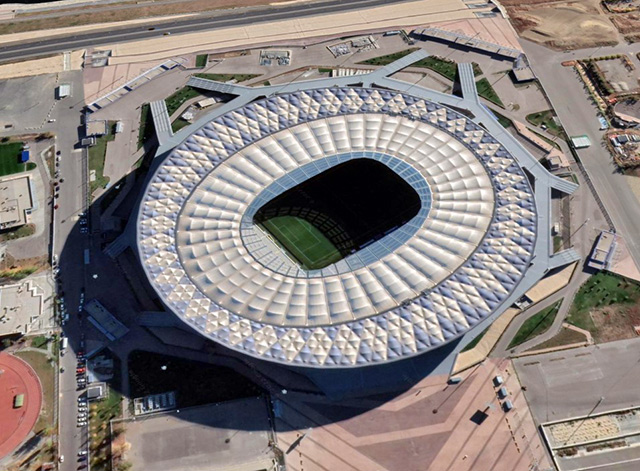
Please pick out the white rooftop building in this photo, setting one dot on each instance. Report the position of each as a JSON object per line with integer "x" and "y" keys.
{"x": 461, "y": 260}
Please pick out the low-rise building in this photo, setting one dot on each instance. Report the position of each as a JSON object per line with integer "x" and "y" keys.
{"x": 96, "y": 128}
{"x": 16, "y": 201}
{"x": 603, "y": 251}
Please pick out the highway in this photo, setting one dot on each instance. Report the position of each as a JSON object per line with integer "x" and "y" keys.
{"x": 54, "y": 44}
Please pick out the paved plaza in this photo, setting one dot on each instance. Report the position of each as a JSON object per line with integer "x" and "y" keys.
{"x": 231, "y": 435}
{"x": 571, "y": 383}
{"x": 427, "y": 428}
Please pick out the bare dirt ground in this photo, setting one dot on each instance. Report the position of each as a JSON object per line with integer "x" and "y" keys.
{"x": 615, "y": 323}
{"x": 562, "y": 25}
{"x": 564, "y": 337}
{"x": 628, "y": 23}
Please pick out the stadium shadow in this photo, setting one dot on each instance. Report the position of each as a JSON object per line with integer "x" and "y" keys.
{"x": 120, "y": 285}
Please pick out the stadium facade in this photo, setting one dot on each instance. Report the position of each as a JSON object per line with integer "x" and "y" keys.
{"x": 478, "y": 241}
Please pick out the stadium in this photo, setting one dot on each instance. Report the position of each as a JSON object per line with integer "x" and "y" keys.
{"x": 335, "y": 225}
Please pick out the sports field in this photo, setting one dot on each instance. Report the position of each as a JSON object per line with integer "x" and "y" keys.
{"x": 302, "y": 241}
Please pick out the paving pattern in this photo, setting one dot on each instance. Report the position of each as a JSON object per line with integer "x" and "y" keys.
{"x": 404, "y": 433}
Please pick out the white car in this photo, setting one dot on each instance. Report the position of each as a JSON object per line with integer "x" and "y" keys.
{"x": 82, "y": 452}
{"x": 82, "y": 424}
{"x": 61, "y": 458}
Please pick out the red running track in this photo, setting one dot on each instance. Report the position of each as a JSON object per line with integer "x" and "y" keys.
{"x": 17, "y": 377}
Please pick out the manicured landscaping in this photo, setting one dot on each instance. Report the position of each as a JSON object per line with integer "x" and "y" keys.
{"x": 146, "y": 129}
{"x": 601, "y": 290}
{"x": 545, "y": 118}
{"x": 485, "y": 90}
{"x": 201, "y": 60}
{"x": 564, "y": 337}
{"x": 180, "y": 97}
{"x": 39, "y": 341}
{"x": 537, "y": 324}
{"x": 10, "y": 159}
{"x": 178, "y": 124}
{"x": 557, "y": 244}
{"x": 445, "y": 67}
{"x": 17, "y": 233}
{"x": 389, "y": 58}
{"x": 228, "y": 77}
{"x": 97, "y": 155}
{"x": 503, "y": 120}
{"x": 475, "y": 341}
{"x": 195, "y": 383}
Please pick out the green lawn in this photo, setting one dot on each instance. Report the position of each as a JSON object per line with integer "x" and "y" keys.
{"x": 601, "y": 290}
{"x": 303, "y": 241}
{"x": 557, "y": 244}
{"x": 503, "y": 120}
{"x": 146, "y": 129}
{"x": 10, "y": 158}
{"x": 45, "y": 371}
{"x": 178, "y": 124}
{"x": 475, "y": 341}
{"x": 389, "y": 58}
{"x": 546, "y": 118}
{"x": 201, "y": 60}
{"x": 535, "y": 325}
{"x": 445, "y": 67}
{"x": 97, "y": 154}
{"x": 485, "y": 90}
{"x": 227, "y": 77}
{"x": 176, "y": 100}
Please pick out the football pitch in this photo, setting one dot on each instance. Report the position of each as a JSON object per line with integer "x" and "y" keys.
{"x": 302, "y": 241}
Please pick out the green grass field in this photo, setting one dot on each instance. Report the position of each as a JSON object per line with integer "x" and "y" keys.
{"x": 537, "y": 324}
{"x": 302, "y": 241}
{"x": 10, "y": 158}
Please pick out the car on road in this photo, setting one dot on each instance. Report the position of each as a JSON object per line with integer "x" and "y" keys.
{"x": 61, "y": 458}
{"x": 82, "y": 452}
{"x": 82, "y": 423}
{"x": 81, "y": 370}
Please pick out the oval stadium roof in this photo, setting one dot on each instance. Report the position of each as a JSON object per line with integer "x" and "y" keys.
{"x": 415, "y": 289}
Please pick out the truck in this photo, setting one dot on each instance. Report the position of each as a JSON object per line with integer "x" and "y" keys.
{"x": 64, "y": 343}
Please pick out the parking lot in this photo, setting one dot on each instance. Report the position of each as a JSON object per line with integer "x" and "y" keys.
{"x": 571, "y": 383}
{"x": 26, "y": 103}
{"x": 212, "y": 437}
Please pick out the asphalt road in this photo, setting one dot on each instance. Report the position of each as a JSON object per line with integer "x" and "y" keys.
{"x": 40, "y": 46}
{"x": 72, "y": 269}
{"x": 579, "y": 116}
